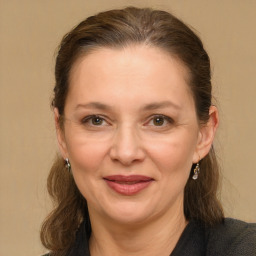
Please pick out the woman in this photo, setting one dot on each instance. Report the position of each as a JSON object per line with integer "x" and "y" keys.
{"x": 135, "y": 125}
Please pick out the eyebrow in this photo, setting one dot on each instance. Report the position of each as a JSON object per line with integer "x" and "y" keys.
{"x": 96, "y": 105}
{"x": 158, "y": 105}
{"x": 147, "y": 107}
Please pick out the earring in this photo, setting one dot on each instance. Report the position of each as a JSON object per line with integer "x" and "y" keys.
{"x": 68, "y": 165}
{"x": 196, "y": 172}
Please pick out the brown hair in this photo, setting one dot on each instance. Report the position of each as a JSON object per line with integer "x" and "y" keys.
{"x": 119, "y": 28}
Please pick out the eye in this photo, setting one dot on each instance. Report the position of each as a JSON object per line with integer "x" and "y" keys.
{"x": 94, "y": 120}
{"x": 160, "y": 120}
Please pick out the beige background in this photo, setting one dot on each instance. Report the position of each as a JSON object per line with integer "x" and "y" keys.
{"x": 29, "y": 33}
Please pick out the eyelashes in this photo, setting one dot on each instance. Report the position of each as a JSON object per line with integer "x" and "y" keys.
{"x": 156, "y": 120}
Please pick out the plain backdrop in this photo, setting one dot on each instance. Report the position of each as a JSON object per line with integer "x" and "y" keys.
{"x": 30, "y": 31}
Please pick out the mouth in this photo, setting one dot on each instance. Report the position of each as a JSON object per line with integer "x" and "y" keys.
{"x": 128, "y": 185}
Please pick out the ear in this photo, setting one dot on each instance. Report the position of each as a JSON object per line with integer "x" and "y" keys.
{"x": 206, "y": 135}
{"x": 60, "y": 134}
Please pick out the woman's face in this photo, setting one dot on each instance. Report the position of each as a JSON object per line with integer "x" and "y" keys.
{"x": 131, "y": 133}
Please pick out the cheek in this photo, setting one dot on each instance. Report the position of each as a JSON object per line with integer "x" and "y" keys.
{"x": 87, "y": 159}
{"x": 173, "y": 155}
{"x": 86, "y": 155}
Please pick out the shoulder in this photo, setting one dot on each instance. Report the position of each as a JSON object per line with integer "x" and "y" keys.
{"x": 232, "y": 237}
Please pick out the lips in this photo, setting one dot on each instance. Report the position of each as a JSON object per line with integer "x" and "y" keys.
{"x": 128, "y": 185}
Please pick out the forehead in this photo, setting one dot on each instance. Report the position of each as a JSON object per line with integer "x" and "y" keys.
{"x": 138, "y": 70}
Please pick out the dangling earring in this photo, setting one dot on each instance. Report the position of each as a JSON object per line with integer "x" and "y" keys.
{"x": 196, "y": 172}
{"x": 68, "y": 165}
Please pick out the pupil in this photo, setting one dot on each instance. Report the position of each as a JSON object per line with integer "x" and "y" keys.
{"x": 158, "y": 121}
{"x": 97, "y": 121}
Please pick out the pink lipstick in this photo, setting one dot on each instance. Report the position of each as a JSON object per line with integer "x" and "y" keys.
{"x": 128, "y": 185}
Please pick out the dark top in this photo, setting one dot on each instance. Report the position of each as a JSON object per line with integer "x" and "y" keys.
{"x": 231, "y": 238}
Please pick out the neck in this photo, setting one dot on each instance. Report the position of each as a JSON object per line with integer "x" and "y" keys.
{"x": 157, "y": 237}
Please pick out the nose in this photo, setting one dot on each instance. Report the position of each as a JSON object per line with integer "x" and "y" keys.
{"x": 127, "y": 147}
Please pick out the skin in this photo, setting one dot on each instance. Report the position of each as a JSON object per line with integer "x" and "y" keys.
{"x": 129, "y": 89}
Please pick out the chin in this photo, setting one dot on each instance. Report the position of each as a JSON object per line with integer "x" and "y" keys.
{"x": 129, "y": 213}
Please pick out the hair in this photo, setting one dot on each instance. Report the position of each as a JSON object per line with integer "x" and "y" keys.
{"x": 119, "y": 29}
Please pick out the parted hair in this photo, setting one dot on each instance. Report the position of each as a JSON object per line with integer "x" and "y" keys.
{"x": 119, "y": 29}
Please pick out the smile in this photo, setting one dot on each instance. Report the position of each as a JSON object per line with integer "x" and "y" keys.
{"x": 128, "y": 185}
